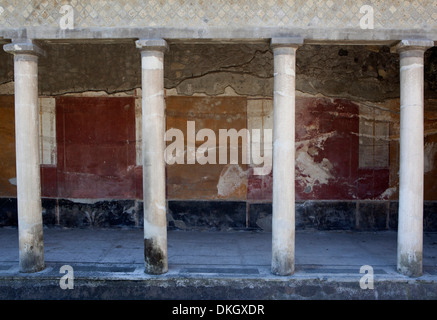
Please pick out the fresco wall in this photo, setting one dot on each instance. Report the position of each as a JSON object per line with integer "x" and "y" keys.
{"x": 347, "y": 136}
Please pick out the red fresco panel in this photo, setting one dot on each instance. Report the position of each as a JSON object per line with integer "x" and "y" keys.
{"x": 259, "y": 187}
{"x": 372, "y": 183}
{"x": 96, "y": 147}
{"x": 49, "y": 181}
{"x": 327, "y": 129}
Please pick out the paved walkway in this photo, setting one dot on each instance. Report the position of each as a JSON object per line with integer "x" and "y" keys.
{"x": 238, "y": 248}
{"x": 325, "y": 263}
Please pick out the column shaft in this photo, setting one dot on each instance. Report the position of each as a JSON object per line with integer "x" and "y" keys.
{"x": 283, "y": 221}
{"x": 410, "y": 222}
{"x": 153, "y": 146}
{"x": 30, "y": 227}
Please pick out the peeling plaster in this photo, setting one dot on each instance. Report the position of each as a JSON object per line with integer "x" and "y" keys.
{"x": 388, "y": 193}
{"x": 232, "y": 178}
{"x": 311, "y": 172}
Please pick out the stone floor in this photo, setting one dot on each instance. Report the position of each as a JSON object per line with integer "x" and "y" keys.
{"x": 234, "y": 258}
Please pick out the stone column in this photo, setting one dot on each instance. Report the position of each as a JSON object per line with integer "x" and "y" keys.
{"x": 410, "y": 224}
{"x": 30, "y": 227}
{"x": 283, "y": 221}
{"x": 153, "y": 146}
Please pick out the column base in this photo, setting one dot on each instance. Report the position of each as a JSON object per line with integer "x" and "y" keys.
{"x": 31, "y": 264}
{"x": 283, "y": 267}
{"x": 282, "y": 273}
{"x": 410, "y": 265}
{"x": 155, "y": 258}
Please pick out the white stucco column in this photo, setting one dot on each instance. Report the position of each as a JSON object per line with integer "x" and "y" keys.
{"x": 30, "y": 227}
{"x": 153, "y": 146}
{"x": 410, "y": 224}
{"x": 283, "y": 221}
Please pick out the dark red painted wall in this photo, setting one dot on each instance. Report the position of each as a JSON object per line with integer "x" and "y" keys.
{"x": 330, "y": 128}
{"x": 338, "y": 119}
{"x": 96, "y": 148}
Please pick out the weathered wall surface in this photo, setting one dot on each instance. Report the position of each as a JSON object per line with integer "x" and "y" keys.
{"x": 347, "y": 131}
{"x": 202, "y": 68}
{"x": 369, "y": 73}
{"x": 6, "y": 67}
{"x": 69, "y": 68}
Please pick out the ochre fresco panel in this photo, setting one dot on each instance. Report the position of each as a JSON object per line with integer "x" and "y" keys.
{"x": 207, "y": 181}
{"x": 7, "y": 147}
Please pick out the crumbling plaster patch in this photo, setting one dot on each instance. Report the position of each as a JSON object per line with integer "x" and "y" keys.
{"x": 233, "y": 180}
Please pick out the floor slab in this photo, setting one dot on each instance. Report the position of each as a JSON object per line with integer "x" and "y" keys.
{"x": 109, "y": 263}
